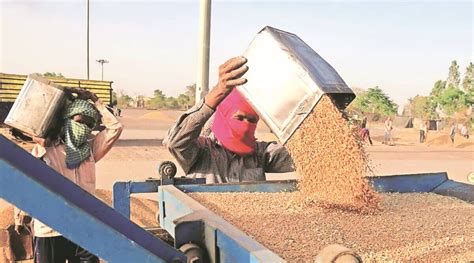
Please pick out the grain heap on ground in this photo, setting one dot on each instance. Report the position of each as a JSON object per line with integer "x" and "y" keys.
{"x": 409, "y": 228}
{"x": 331, "y": 161}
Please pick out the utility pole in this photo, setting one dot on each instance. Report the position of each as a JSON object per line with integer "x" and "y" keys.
{"x": 202, "y": 83}
{"x": 87, "y": 39}
{"x": 102, "y": 61}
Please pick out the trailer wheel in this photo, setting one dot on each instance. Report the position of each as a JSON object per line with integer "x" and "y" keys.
{"x": 193, "y": 252}
{"x": 167, "y": 170}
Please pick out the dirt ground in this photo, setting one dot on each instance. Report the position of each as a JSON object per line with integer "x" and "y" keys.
{"x": 138, "y": 151}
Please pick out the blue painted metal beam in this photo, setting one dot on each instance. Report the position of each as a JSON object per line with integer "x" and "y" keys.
{"x": 456, "y": 189}
{"x": 409, "y": 183}
{"x": 123, "y": 190}
{"x": 264, "y": 187}
{"x": 78, "y": 215}
{"x": 179, "y": 213}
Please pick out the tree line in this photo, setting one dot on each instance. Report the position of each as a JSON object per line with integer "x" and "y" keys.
{"x": 159, "y": 100}
{"x": 448, "y": 98}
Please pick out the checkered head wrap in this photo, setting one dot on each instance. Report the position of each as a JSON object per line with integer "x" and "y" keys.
{"x": 76, "y": 135}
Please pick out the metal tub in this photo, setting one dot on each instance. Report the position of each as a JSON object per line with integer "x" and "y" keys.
{"x": 36, "y": 107}
{"x": 286, "y": 79}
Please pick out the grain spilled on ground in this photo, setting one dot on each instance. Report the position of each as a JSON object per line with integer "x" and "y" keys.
{"x": 142, "y": 211}
{"x": 331, "y": 162}
{"x": 409, "y": 228}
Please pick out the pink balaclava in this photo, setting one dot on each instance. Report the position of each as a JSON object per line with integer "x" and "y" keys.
{"x": 235, "y": 135}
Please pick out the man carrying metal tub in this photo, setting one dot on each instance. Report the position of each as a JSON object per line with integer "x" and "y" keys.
{"x": 73, "y": 152}
{"x": 230, "y": 153}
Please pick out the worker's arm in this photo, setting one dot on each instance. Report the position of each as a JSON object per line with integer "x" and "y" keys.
{"x": 277, "y": 158}
{"x": 105, "y": 139}
{"x": 183, "y": 138}
{"x": 20, "y": 218}
{"x": 230, "y": 76}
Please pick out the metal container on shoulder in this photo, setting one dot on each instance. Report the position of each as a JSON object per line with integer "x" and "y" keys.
{"x": 286, "y": 79}
{"x": 37, "y": 107}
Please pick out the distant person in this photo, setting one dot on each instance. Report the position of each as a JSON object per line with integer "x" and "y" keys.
{"x": 452, "y": 132}
{"x": 115, "y": 109}
{"x": 426, "y": 128}
{"x": 364, "y": 134}
{"x": 72, "y": 152}
{"x": 388, "y": 125}
{"x": 423, "y": 131}
{"x": 464, "y": 131}
{"x": 364, "y": 123}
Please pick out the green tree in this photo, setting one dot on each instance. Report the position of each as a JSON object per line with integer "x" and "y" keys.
{"x": 453, "y": 76}
{"x": 114, "y": 98}
{"x": 191, "y": 93}
{"x": 468, "y": 81}
{"x": 172, "y": 103}
{"x": 53, "y": 75}
{"x": 422, "y": 107}
{"x": 159, "y": 99}
{"x": 375, "y": 101}
{"x": 452, "y": 100}
{"x": 123, "y": 100}
{"x": 184, "y": 101}
{"x": 438, "y": 88}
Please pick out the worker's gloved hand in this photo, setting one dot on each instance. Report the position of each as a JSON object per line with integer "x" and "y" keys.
{"x": 230, "y": 76}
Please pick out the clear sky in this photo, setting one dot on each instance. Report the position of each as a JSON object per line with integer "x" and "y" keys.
{"x": 401, "y": 46}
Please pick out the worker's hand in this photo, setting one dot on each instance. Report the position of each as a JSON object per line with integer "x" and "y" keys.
{"x": 83, "y": 94}
{"x": 230, "y": 76}
{"x": 18, "y": 229}
{"x": 41, "y": 141}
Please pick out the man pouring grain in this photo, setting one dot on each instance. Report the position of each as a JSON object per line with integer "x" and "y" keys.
{"x": 231, "y": 152}
{"x": 73, "y": 152}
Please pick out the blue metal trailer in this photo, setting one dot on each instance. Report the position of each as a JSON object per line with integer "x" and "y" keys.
{"x": 199, "y": 234}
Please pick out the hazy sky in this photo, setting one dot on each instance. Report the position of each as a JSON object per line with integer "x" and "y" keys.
{"x": 401, "y": 46}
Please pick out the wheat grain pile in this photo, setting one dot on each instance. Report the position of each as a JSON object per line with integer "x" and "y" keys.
{"x": 331, "y": 162}
{"x": 6, "y": 217}
{"x": 416, "y": 227}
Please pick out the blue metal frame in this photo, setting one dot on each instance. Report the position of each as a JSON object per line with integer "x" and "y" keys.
{"x": 249, "y": 187}
{"x": 78, "y": 215}
{"x": 423, "y": 183}
{"x": 188, "y": 221}
{"x": 413, "y": 183}
{"x": 123, "y": 190}
{"x": 455, "y": 189}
